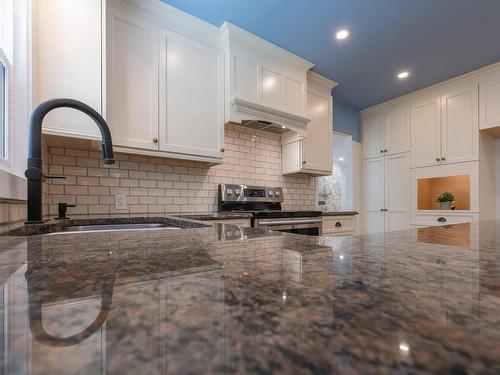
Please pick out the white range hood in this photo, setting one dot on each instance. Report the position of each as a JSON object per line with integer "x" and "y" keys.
{"x": 266, "y": 86}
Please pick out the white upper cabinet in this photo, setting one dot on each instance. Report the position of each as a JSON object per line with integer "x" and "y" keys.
{"x": 155, "y": 74}
{"x": 263, "y": 81}
{"x": 459, "y": 125}
{"x": 67, "y": 62}
{"x": 397, "y": 131}
{"x": 313, "y": 154}
{"x": 426, "y": 132}
{"x": 191, "y": 96}
{"x": 373, "y": 136}
{"x": 132, "y": 81}
{"x": 387, "y": 133}
{"x": 489, "y": 101}
{"x": 444, "y": 129}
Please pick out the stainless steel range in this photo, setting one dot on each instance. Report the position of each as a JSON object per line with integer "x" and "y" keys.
{"x": 264, "y": 203}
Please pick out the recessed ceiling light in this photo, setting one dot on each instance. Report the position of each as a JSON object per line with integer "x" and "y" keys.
{"x": 342, "y": 34}
{"x": 403, "y": 75}
{"x": 404, "y": 347}
{"x": 283, "y": 126}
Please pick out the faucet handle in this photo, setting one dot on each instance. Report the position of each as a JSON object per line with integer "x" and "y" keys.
{"x": 62, "y": 209}
{"x": 36, "y": 174}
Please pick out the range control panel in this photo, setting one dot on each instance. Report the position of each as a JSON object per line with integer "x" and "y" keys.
{"x": 244, "y": 193}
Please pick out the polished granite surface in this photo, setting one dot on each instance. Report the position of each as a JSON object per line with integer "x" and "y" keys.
{"x": 217, "y": 216}
{"x": 192, "y": 301}
{"x": 57, "y": 225}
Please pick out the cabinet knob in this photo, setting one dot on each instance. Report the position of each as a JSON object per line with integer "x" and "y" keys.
{"x": 381, "y": 151}
{"x": 155, "y": 140}
{"x": 438, "y": 160}
{"x": 443, "y": 159}
{"x": 304, "y": 162}
{"x": 382, "y": 209}
{"x": 441, "y": 219}
{"x": 222, "y": 149}
{"x": 338, "y": 224}
{"x": 385, "y": 151}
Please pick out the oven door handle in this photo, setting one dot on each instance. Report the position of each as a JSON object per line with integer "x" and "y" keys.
{"x": 289, "y": 222}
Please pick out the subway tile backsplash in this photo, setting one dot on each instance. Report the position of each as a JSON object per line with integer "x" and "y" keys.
{"x": 166, "y": 186}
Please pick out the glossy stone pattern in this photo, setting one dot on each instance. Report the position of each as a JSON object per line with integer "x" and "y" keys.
{"x": 187, "y": 301}
{"x": 217, "y": 216}
{"x": 57, "y": 225}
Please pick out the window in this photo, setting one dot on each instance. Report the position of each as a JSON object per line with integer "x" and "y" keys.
{"x": 335, "y": 192}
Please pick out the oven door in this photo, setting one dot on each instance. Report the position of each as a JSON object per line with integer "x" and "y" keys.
{"x": 307, "y": 226}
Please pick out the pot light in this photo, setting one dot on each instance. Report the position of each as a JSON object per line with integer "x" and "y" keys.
{"x": 342, "y": 34}
{"x": 403, "y": 75}
{"x": 283, "y": 127}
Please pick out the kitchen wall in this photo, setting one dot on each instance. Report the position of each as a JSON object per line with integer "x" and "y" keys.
{"x": 346, "y": 120}
{"x": 158, "y": 186}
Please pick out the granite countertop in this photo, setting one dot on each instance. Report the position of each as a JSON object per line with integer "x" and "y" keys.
{"x": 190, "y": 301}
{"x": 211, "y": 216}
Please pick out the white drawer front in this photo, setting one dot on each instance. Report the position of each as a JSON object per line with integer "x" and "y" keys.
{"x": 437, "y": 219}
{"x": 337, "y": 224}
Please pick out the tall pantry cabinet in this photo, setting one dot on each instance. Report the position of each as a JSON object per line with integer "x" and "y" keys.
{"x": 386, "y": 171}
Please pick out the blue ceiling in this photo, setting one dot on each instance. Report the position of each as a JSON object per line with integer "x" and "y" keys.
{"x": 433, "y": 39}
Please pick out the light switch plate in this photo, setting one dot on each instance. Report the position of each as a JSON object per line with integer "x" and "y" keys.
{"x": 120, "y": 201}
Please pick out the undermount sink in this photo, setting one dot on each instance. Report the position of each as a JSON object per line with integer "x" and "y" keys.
{"x": 114, "y": 228}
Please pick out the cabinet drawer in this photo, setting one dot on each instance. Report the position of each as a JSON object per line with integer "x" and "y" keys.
{"x": 337, "y": 224}
{"x": 424, "y": 219}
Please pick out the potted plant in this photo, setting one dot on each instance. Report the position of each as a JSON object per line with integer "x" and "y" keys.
{"x": 445, "y": 199}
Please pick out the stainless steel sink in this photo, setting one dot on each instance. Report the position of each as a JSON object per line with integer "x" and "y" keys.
{"x": 114, "y": 228}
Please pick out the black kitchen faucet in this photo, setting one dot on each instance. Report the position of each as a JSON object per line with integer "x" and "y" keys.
{"x": 34, "y": 173}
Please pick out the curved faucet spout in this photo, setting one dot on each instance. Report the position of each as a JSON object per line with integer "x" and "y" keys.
{"x": 34, "y": 172}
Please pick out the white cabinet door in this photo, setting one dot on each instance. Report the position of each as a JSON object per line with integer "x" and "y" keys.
{"x": 397, "y": 192}
{"x": 373, "y": 137}
{"x": 397, "y": 131}
{"x": 489, "y": 101}
{"x": 373, "y": 195}
{"x": 191, "y": 96}
{"x": 67, "y": 62}
{"x": 459, "y": 125}
{"x": 132, "y": 81}
{"x": 426, "y": 133}
{"x": 317, "y": 152}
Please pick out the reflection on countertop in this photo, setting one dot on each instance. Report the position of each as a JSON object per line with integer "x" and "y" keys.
{"x": 201, "y": 301}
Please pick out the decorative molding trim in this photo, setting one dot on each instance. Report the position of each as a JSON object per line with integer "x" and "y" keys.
{"x": 168, "y": 17}
{"x": 319, "y": 80}
{"x": 461, "y": 79}
{"x": 259, "y": 112}
{"x": 229, "y": 30}
{"x": 164, "y": 154}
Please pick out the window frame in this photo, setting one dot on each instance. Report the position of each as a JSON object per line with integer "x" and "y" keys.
{"x": 6, "y": 159}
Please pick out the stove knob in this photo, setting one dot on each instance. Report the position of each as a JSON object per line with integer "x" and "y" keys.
{"x": 278, "y": 194}
{"x": 270, "y": 193}
{"x": 229, "y": 192}
{"x": 237, "y": 192}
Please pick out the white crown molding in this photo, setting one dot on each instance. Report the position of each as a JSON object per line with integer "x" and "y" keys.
{"x": 321, "y": 81}
{"x": 230, "y": 31}
{"x": 461, "y": 79}
{"x": 177, "y": 20}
